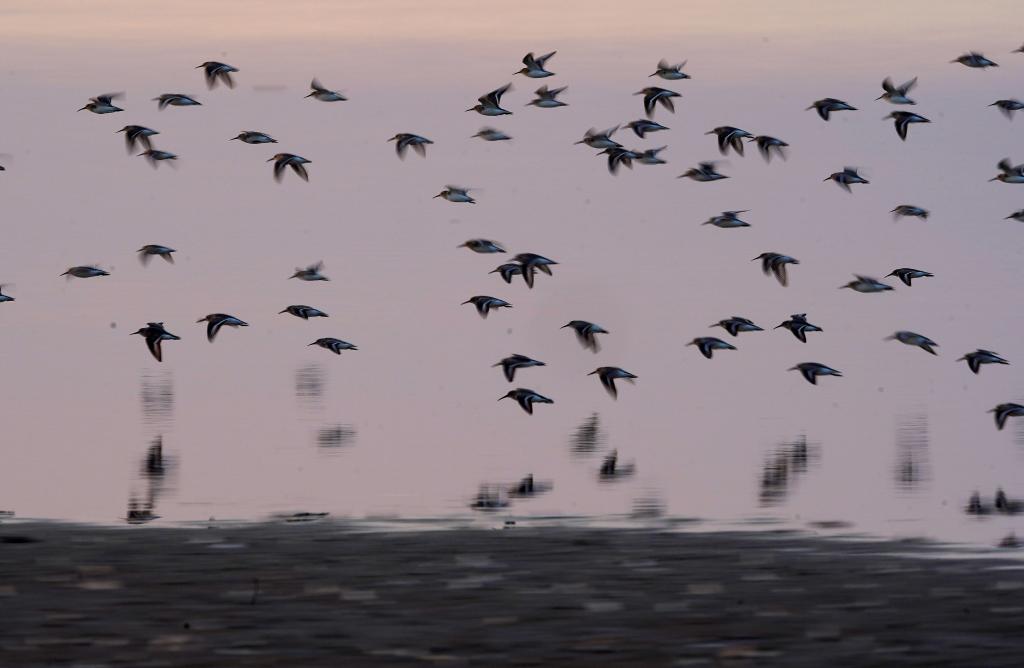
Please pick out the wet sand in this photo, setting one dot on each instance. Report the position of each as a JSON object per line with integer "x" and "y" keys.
{"x": 325, "y": 594}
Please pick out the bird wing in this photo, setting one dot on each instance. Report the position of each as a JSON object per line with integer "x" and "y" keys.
{"x": 153, "y": 343}
{"x": 212, "y": 327}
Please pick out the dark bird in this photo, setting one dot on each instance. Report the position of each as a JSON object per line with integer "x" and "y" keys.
{"x": 775, "y": 263}
{"x": 1004, "y": 411}
{"x": 866, "y": 284}
{"x": 155, "y": 157}
{"x": 914, "y": 339}
{"x": 333, "y": 344}
{"x": 846, "y": 178}
{"x": 811, "y": 370}
{"x": 405, "y": 140}
{"x": 798, "y": 324}
{"x": 642, "y": 126}
{"x": 137, "y": 134}
{"x": 310, "y": 273}
{"x": 103, "y": 104}
{"x": 508, "y": 270}
{"x": 619, "y": 156}
{"x": 602, "y": 139}
{"x": 510, "y": 364}
{"x": 585, "y": 333}
{"x": 897, "y": 94}
{"x": 324, "y": 94}
{"x": 215, "y": 321}
{"x": 727, "y": 219}
{"x": 736, "y": 324}
{"x": 530, "y": 262}
{"x": 481, "y": 246}
{"x": 175, "y": 100}
{"x": 215, "y": 72}
{"x": 547, "y": 98}
{"x": 484, "y": 304}
{"x": 85, "y": 271}
{"x": 974, "y": 59}
{"x": 653, "y": 96}
{"x": 254, "y": 137}
{"x": 902, "y": 121}
{"x": 730, "y": 137}
{"x": 149, "y": 250}
{"x": 526, "y": 398}
{"x": 284, "y": 160}
{"x": 827, "y": 105}
{"x": 766, "y": 145}
{"x": 490, "y": 104}
{"x": 535, "y": 66}
{"x": 154, "y": 334}
{"x": 907, "y": 275}
{"x": 608, "y": 375}
{"x": 1008, "y": 107}
{"x": 670, "y": 72}
{"x": 703, "y": 172}
{"x": 707, "y": 345}
{"x": 980, "y": 356}
{"x": 1010, "y": 173}
{"x": 910, "y": 211}
{"x": 303, "y": 311}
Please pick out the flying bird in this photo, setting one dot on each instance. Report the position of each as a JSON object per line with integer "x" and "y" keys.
{"x": 137, "y": 134}
{"x": 215, "y": 72}
{"x": 484, "y": 304}
{"x": 811, "y": 370}
{"x": 907, "y": 275}
{"x": 619, "y": 156}
{"x": 974, "y": 59}
{"x": 897, "y": 94}
{"x": 547, "y": 98}
{"x": 155, "y": 334}
{"x": 600, "y": 139}
{"x": 324, "y": 94}
{"x": 84, "y": 271}
{"x": 254, "y": 137}
{"x": 727, "y": 220}
{"x": 1008, "y": 106}
{"x": 1017, "y": 215}
{"x": 707, "y": 345}
{"x": 736, "y": 324}
{"x": 284, "y": 160}
{"x": 175, "y": 100}
{"x": 730, "y": 137}
{"x": 149, "y": 250}
{"x": 455, "y": 194}
{"x": 670, "y": 72}
{"x": 702, "y": 173}
{"x": 981, "y": 356}
{"x": 910, "y": 211}
{"x": 526, "y": 398}
{"x": 154, "y": 156}
{"x": 586, "y": 333}
{"x": 775, "y": 263}
{"x": 902, "y": 121}
{"x": 103, "y": 104}
{"x": 507, "y": 271}
{"x": 1010, "y": 173}
{"x": 333, "y": 344}
{"x": 406, "y": 140}
{"x": 914, "y": 339}
{"x": 512, "y": 363}
{"x": 608, "y": 375}
{"x": 827, "y": 105}
{"x": 310, "y": 273}
{"x": 490, "y": 134}
{"x": 481, "y": 246}
{"x": 650, "y": 156}
{"x": 490, "y": 104}
{"x": 215, "y": 321}
{"x": 846, "y": 178}
{"x": 767, "y": 145}
{"x": 303, "y": 311}
{"x": 866, "y": 284}
{"x": 1004, "y": 411}
{"x": 653, "y": 96}
{"x": 798, "y": 325}
{"x": 535, "y": 66}
{"x": 642, "y": 126}
{"x": 530, "y": 262}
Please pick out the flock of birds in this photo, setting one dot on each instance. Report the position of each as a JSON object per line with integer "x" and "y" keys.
{"x": 529, "y": 266}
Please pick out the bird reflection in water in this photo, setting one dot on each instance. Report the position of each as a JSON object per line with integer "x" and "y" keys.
{"x": 309, "y": 385}
{"x": 335, "y": 436}
{"x": 154, "y": 471}
{"x": 912, "y": 466}
{"x": 489, "y": 498}
{"x": 783, "y": 467}
{"x": 157, "y": 396}
{"x": 588, "y": 437}
{"x": 528, "y": 487}
{"x": 611, "y": 469}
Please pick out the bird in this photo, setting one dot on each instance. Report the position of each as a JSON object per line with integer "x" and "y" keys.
{"x": 1010, "y": 173}
{"x": 3, "y": 297}
{"x": 456, "y": 194}
{"x": 907, "y": 275}
{"x": 827, "y": 105}
{"x": 619, "y": 156}
{"x": 730, "y": 137}
{"x": 914, "y": 339}
{"x": 708, "y": 344}
{"x": 1019, "y": 49}
{"x": 175, "y": 100}
{"x": 902, "y": 121}
{"x": 1008, "y": 106}
{"x": 84, "y": 271}
{"x": 670, "y": 72}
{"x": 866, "y": 284}
{"x": 547, "y": 98}
{"x": 149, "y": 250}
{"x": 323, "y": 94}
{"x": 254, "y": 137}
{"x": 897, "y": 94}
{"x": 510, "y": 364}
{"x": 727, "y": 219}
{"x": 154, "y": 334}
{"x": 526, "y": 398}
{"x": 642, "y": 126}
{"x": 535, "y": 66}
{"x": 310, "y": 273}
{"x": 910, "y": 211}
{"x": 981, "y": 356}
{"x": 481, "y": 246}
{"x": 600, "y": 139}
{"x": 217, "y": 320}
{"x": 608, "y": 375}
{"x": 586, "y": 333}
{"x": 736, "y": 324}
{"x": 703, "y": 172}
{"x": 155, "y": 156}
{"x": 490, "y": 134}
{"x": 846, "y": 177}
{"x": 1005, "y": 505}
{"x": 406, "y": 140}
{"x": 974, "y": 59}
{"x": 508, "y": 270}
{"x": 1004, "y": 411}
{"x": 137, "y": 134}
{"x": 215, "y": 72}
{"x": 303, "y": 311}
{"x": 333, "y": 344}
{"x": 484, "y": 304}
{"x": 284, "y": 160}
{"x": 766, "y": 145}
{"x": 490, "y": 103}
{"x": 650, "y": 156}
{"x": 531, "y": 262}
{"x": 811, "y": 370}
{"x": 103, "y": 104}
{"x": 799, "y": 326}
{"x": 775, "y": 263}
{"x": 1016, "y": 215}
{"x": 654, "y": 95}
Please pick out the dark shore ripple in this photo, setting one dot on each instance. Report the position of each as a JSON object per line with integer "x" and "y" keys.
{"x": 322, "y": 594}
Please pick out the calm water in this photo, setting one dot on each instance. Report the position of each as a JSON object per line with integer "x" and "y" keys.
{"x": 409, "y": 426}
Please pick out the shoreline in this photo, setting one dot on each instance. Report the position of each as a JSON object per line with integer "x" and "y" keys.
{"x": 325, "y": 594}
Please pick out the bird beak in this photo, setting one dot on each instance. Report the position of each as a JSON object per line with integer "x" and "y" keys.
{"x": 84, "y": 108}
{"x": 504, "y": 397}
{"x": 311, "y": 344}
{"x": 592, "y": 372}
{"x": 201, "y": 319}
{"x": 471, "y": 109}
{"x": 272, "y": 160}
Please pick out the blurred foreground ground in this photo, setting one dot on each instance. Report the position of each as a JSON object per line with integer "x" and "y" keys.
{"x": 322, "y": 594}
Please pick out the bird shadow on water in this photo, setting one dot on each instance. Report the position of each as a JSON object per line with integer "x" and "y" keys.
{"x": 783, "y": 467}
{"x": 154, "y": 475}
{"x": 912, "y": 467}
{"x": 156, "y": 393}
